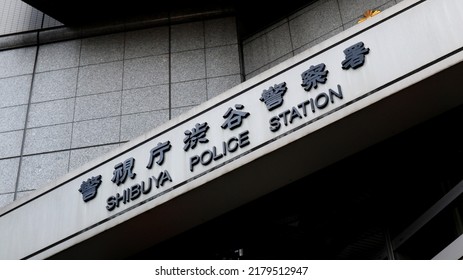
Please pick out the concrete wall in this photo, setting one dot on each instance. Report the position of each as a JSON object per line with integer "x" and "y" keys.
{"x": 302, "y": 30}
{"x": 65, "y": 103}
{"x": 17, "y": 16}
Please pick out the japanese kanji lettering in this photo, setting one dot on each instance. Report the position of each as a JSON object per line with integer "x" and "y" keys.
{"x": 316, "y": 74}
{"x": 234, "y": 117}
{"x": 195, "y": 135}
{"x": 273, "y": 97}
{"x": 355, "y": 56}
{"x": 123, "y": 170}
{"x": 158, "y": 151}
{"x": 89, "y": 188}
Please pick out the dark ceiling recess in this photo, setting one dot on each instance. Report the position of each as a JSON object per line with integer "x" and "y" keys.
{"x": 252, "y": 16}
{"x": 82, "y": 12}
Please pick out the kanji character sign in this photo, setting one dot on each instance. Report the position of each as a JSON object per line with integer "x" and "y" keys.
{"x": 123, "y": 170}
{"x": 273, "y": 97}
{"x": 89, "y": 188}
{"x": 158, "y": 151}
{"x": 355, "y": 56}
{"x": 195, "y": 135}
{"x": 316, "y": 74}
{"x": 234, "y": 117}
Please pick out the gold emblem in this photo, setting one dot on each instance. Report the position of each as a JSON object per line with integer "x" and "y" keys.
{"x": 368, "y": 14}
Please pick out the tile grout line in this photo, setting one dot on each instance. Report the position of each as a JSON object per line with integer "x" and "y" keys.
{"x": 122, "y": 85}
{"x": 27, "y": 117}
{"x": 169, "y": 71}
{"x": 75, "y": 104}
{"x": 205, "y": 58}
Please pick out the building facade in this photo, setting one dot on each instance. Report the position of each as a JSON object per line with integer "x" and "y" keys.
{"x": 374, "y": 173}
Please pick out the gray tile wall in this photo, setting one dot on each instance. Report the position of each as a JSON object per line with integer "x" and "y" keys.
{"x": 65, "y": 103}
{"x": 302, "y": 30}
{"x": 17, "y": 16}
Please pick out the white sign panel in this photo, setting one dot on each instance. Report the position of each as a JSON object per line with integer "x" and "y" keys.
{"x": 301, "y": 96}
